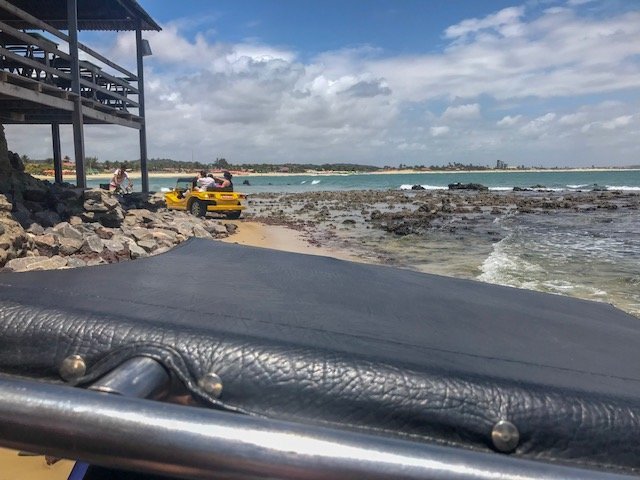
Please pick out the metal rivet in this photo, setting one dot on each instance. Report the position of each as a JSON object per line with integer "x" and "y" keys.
{"x": 505, "y": 436}
{"x": 212, "y": 384}
{"x": 72, "y": 368}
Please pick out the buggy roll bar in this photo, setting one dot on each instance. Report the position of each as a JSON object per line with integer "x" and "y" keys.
{"x": 154, "y": 437}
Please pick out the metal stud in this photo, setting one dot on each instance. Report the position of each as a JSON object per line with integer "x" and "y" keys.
{"x": 505, "y": 436}
{"x": 72, "y": 368}
{"x": 212, "y": 384}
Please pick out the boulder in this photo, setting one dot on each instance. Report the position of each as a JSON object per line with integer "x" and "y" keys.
{"x": 215, "y": 228}
{"x": 69, "y": 246}
{"x": 75, "y": 262}
{"x": 113, "y": 245}
{"x": 105, "y": 232}
{"x": 148, "y": 245}
{"x": 47, "y": 218}
{"x": 112, "y": 218}
{"x": 231, "y": 228}
{"x": 200, "y": 232}
{"x": 35, "y": 229}
{"x": 137, "y": 252}
{"x": 26, "y": 264}
{"x": 141, "y": 234}
{"x": 93, "y": 243}
{"x": 64, "y": 229}
{"x": 468, "y": 186}
{"x": 47, "y": 245}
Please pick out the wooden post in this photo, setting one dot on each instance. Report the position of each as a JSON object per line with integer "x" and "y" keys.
{"x": 57, "y": 153}
{"x": 78, "y": 128}
{"x": 141, "y": 113}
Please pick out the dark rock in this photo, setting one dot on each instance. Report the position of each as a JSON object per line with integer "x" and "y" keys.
{"x": 468, "y": 186}
{"x": 417, "y": 187}
{"x": 246, "y": 182}
{"x": 112, "y": 219}
{"x": 47, "y": 218}
{"x": 16, "y": 161}
{"x": 231, "y": 228}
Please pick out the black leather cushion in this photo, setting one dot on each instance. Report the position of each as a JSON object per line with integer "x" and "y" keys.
{"x": 354, "y": 346}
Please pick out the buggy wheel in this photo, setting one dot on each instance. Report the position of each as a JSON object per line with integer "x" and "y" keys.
{"x": 198, "y": 208}
{"x": 235, "y": 214}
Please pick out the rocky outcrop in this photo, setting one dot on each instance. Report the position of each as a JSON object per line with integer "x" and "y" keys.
{"x": 468, "y": 186}
{"x": 105, "y": 229}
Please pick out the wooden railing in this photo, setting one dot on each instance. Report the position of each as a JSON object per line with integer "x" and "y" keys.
{"x": 34, "y": 57}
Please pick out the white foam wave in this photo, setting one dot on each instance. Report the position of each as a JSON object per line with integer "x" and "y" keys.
{"x": 578, "y": 186}
{"x": 426, "y": 187}
{"x": 623, "y": 187}
{"x": 501, "y": 189}
{"x": 303, "y": 182}
{"x": 502, "y": 268}
{"x": 315, "y": 182}
{"x": 165, "y": 189}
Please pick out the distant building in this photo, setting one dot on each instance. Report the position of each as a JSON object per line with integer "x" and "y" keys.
{"x": 500, "y": 165}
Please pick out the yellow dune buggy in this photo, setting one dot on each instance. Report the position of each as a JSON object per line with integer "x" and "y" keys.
{"x": 214, "y": 199}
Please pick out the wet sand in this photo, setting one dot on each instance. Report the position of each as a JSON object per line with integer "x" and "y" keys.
{"x": 281, "y": 237}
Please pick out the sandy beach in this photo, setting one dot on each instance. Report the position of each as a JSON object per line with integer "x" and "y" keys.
{"x": 280, "y": 237}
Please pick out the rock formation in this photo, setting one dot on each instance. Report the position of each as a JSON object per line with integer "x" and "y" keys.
{"x": 44, "y": 225}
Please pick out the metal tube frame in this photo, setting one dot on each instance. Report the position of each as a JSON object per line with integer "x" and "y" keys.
{"x": 161, "y": 438}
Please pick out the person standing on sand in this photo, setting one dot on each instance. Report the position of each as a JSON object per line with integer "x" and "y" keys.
{"x": 117, "y": 181}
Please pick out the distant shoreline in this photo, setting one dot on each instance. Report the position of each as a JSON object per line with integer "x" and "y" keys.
{"x": 138, "y": 175}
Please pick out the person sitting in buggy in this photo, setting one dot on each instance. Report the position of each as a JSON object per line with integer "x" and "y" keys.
{"x": 223, "y": 183}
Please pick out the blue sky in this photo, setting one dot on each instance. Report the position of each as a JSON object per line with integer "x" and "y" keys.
{"x": 538, "y": 82}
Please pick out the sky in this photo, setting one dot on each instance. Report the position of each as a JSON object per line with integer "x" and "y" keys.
{"x": 379, "y": 82}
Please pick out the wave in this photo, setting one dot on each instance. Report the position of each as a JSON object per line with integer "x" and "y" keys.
{"x": 623, "y": 187}
{"x": 502, "y": 268}
{"x": 315, "y": 182}
{"x": 303, "y": 182}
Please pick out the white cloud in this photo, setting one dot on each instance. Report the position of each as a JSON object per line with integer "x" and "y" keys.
{"x": 572, "y": 118}
{"x": 618, "y": 122}
{"x": 538, "y": 125}
{"x": 468, "y": 111}
{"x": 508, "y": 120}
{"x": 438, "y": 131}
{"x": 506, "y": 17}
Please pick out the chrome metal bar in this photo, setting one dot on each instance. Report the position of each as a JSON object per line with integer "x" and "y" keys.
{"x": 139, "y": 377}
{"x": 160, "y": 438}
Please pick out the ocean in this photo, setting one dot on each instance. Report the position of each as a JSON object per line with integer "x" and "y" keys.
{"x": 628, "y": 180}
